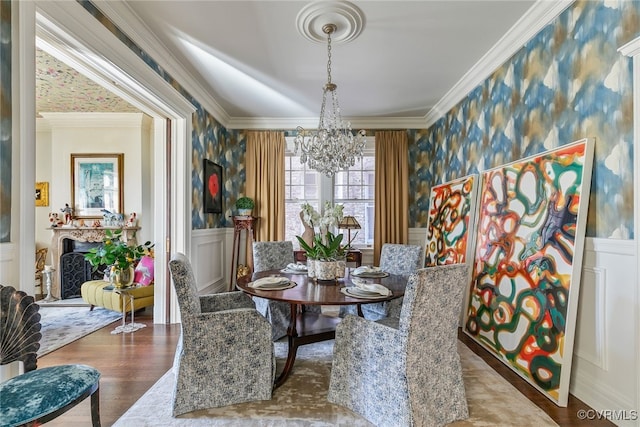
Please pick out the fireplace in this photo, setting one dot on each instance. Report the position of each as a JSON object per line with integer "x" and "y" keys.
{"x": 77, "y": 241}
{"x": 74, "y": 269}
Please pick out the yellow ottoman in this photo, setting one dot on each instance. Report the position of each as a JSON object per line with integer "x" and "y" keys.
{"x": 93, "y": 293}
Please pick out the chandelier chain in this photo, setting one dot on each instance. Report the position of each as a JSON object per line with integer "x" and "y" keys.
{"x": 329, "y": 56}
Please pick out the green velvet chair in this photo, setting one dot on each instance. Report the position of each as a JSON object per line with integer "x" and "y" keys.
{"x": 38, "y": 395}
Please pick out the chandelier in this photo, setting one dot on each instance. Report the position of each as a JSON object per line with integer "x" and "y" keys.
{"x": 333, "y": 146}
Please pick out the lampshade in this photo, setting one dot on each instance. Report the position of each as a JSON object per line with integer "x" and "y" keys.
{"x": 349, "y": 223}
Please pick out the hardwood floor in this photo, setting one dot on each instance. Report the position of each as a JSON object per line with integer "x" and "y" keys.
{"x": 131, "y": 363}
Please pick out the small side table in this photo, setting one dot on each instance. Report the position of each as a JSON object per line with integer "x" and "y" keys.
{"x": 240, "y": 223}
{"x": 127, "y": 296}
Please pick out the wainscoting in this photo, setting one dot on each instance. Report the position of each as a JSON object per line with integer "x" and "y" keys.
{"x": 211, "y": 258}
{"x": 605, "y": 358}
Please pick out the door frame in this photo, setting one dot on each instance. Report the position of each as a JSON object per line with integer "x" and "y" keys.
{"x": 81, "y": 41}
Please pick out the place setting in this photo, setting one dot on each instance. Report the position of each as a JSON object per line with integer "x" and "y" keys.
{"x": 368, "y": 271}
{"x": 295, "y": 268}
{"x": 272, "y": 283}
{"x": 362, "y": 289}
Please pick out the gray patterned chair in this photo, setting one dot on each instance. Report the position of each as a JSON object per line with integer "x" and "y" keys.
{"x": 225, "y": 354}
{"x": 406, "y": 372}
{"x": 394, "y": 259}
{"x": 38, "y": 395}
{"x": 272, "y": 256}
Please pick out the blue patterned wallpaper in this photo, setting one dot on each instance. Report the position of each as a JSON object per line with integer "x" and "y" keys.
{"x": 5, "y": 121}
{"x": 566, "y": 83}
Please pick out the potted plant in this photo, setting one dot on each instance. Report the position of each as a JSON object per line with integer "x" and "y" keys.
{"x": 245, "y": 205}
{"x": 118, "y": 255}
{"x": 327, "y": 254}
{"x": 311, "y": 252}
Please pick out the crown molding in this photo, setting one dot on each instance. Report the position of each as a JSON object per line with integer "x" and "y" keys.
{"x": 537, "y": 17}
{"x": 631, "y": 48}
{"x": 88, "y": 120}
{"x": 66, "y": 31}
{"x": 121, "y": 14}
{"x": 253, "y": 123}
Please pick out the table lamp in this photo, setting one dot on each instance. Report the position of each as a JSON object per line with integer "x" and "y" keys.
{"x": 349, "y": 223}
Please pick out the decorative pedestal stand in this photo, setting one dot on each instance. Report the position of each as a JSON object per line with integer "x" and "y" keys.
{"x": 47, "y": 278}
{"x": 240, "y": 223}
{"x": 127, "y": 327}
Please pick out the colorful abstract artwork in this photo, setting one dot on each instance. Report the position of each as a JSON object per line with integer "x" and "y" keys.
{"x": 523, "y": 294}
{"x": 450, "y": 231}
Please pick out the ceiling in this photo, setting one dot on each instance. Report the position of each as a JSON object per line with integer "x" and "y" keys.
{"x": 251, "y": 60}
{"x": 61, "y": 89}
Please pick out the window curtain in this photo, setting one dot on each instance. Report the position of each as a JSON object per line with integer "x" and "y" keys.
{"x": 264, "y": 162}
{"x": 391, "y": 223}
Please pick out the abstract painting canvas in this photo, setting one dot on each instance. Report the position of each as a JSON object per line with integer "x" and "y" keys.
{"x": 523, "y": 294}
{"x": 450, "y": 230}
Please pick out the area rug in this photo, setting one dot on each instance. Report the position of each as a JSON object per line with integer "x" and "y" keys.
{"x": 62, "y": 325}
{"x": 302, "y": 399}
{"x": 67, "y": 302}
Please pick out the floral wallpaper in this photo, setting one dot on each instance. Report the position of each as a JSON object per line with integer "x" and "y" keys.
{"x": 568, "y": 82}
{"x": 61, "y": 88}
{"x": 5, "y": 121}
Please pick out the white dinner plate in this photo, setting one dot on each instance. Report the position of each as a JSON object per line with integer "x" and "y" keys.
{"x": 359, "y": 293}
{"x": 269, "y": 282}
{"x": 371, "y": 274}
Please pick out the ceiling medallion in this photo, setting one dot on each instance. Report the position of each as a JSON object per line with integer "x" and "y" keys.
{"x": 347, "y": 17}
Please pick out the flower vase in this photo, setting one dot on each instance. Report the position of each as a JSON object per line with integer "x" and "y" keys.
{"x": 341, "y": 266}
{"x": 311, "y": 268}
{"x": 121, "y": 278}
{"x": 325, "y": 270}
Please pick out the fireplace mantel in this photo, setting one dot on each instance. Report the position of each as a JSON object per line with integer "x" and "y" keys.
{"x": 81, "y": 234}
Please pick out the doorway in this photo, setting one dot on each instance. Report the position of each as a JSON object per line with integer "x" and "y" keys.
{"x": 94, "y": 51}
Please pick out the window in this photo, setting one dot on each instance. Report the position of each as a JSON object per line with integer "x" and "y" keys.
{"x": 353, "y": 188}
{"x": 300, "y": 185}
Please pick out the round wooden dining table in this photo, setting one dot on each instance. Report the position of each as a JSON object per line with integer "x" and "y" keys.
{"x": 307, "y": 327}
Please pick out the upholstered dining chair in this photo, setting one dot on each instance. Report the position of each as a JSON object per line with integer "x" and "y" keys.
{"x": 38, "y": 395}
{"x": 394, "y": 259}
{"x": 225, "y": 354}
{"x": 406, "y": 371}
{"x": 272, "y": 256}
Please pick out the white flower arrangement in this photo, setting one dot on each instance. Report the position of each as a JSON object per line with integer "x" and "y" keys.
{"x": 331, "y": 216}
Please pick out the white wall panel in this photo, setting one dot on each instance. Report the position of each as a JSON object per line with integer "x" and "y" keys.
{"x": 208, "y": 249}
{"x": 8, "y": 275}
{"x": 590, "y": 328}
{"x": 605, "y": 370}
